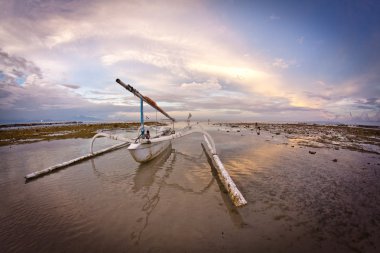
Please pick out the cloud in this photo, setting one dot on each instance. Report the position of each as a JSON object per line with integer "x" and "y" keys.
{"x": 364, "y": 117}
{"x": 280, "y": 63}
{"x": 211, "y": 85}
{"x": 40, "y": 100}
{"x": 172, "y": 52}
{"x": 14, "y": 70}
{"x": 37, "y": 98}
{"x": 367, "y": 104}
{"x": 71, "y": 86}
{"x": 318, "y": 96}
{"x": 181, "y": 54}
{"x": 102, "y": 92}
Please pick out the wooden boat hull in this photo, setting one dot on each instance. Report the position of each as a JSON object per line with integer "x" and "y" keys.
{"x": 144, "y": 152}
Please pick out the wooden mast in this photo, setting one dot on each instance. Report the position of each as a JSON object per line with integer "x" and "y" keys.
{"x": 144, "y": 98}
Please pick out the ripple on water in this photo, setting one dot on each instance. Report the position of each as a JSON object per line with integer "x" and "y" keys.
{"x": 301, "y": 202}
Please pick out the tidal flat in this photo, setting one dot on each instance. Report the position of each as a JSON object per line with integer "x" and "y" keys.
{"x": 29, "y": 133}
{"x": 309, "y": 188}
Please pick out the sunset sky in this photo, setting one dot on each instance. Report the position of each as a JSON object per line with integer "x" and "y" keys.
{"x": 223, "y": 60}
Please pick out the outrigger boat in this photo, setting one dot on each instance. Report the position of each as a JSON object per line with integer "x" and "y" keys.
{"x": 145, "y": 148}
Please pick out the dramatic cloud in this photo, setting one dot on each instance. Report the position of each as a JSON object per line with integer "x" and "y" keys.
{"x": 14, "y": 70}
{"x": 225, "y": 62}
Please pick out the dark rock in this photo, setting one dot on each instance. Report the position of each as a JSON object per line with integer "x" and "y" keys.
{"x": 335, "y": 160}
{"x": 312, "y": 152}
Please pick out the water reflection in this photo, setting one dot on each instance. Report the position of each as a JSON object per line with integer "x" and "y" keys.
{"x": 144, "y": 180}
{"x": 146, "y": 172}
{"x": 150, "y": 178}
{"x": 233, "y": 211}
{"x": 147, "y": 184}
{"x": 190, "y": 159}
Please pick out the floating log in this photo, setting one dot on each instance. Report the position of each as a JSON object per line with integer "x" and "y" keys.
{"x": 79, "y": 159}
{"x": 235, "y": 195}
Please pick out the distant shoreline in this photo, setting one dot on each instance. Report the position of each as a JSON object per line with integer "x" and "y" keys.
{"x": 39, "y": 124}
{"x": 35, "y": 132}
{"x": 53, "y": 123}
{"x": 299, "y": 124}
{"x": 358, "y": 137}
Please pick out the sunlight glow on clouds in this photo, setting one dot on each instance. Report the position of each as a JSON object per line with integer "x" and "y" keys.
{"x": 185, "y": 55}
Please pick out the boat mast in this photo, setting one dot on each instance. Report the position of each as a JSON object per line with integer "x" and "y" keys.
{"x": 142, "y": 116}
{"x": 143, "y": 99}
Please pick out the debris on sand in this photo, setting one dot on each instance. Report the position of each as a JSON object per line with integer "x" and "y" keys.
{"x": 356, "y": 138}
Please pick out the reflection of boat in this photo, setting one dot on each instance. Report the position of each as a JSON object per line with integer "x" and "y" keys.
{"x": 149, "y": 185}
{"x": 146, "y": 171}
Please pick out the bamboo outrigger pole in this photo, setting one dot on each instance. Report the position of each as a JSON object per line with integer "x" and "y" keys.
{"x": 144, "y": 98}
{"x": 235, "y": 195}
{"x": 92, "y": 154}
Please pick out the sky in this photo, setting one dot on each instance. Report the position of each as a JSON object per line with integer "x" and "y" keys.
{"x": 224, "y": 60}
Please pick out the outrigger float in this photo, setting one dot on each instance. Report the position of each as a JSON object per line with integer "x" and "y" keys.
{"x": 145, "y": 148}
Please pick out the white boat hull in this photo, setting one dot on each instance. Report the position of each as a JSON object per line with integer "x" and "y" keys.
{"x": 144, "y": 152}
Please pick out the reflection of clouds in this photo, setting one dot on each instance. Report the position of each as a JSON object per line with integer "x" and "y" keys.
{"x": 150, "y": 179}
{"x": 264, "y": 156}
{"x": 235, "y": 216}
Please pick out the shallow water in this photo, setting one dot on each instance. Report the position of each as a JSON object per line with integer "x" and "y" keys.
{"x": 297, "y": 201}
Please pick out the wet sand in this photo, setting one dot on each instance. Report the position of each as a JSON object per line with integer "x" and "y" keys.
{"x": 327, "y": 201}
